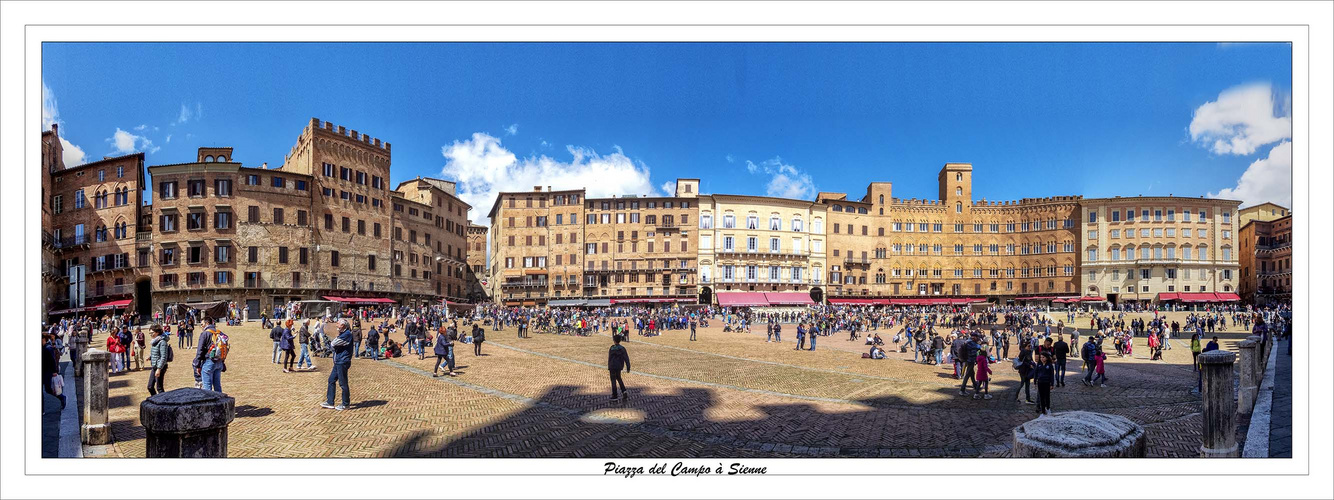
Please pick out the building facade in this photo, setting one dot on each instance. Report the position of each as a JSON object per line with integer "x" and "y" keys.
{"x": 1143, "y": 249}
{"x": 1266, "y": 260}
{"x": 93, "y": 226}
{"x": 477, "y": 276}
{"x": 1262, "y": 212}
{"x": 430, "y": 240}
{"x": 761, "y": 244}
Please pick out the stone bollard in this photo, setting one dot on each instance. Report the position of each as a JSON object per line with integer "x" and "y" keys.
{"x": 1250, "y": 353}
{"x": 1079, "y": 434}
{"x": 78, "y": 345}
{"x": 187, "y": 423}
{"x": 1259, "y": 347}
{"x": 95, "y": 429}
{"x": 1220, "y": 412}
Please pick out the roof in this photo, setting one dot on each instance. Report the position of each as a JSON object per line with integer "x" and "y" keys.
{"x": 789, "y": 201}
{"x": 1160, "y": 198}
{"x": 1265, "y": 204}
{"x": 112, "y": 159}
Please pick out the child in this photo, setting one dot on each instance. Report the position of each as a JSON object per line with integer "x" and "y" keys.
{"x": 1045, "y": 375}
{"x": 983, "y": 374}
{"x": 1099, "y": 368}
{"x": 617, "y": 358}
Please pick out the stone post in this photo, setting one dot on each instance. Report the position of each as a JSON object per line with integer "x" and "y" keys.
{"x": 78, "y": 345}
{"x": 95, "y": 429}
{"x": 1220, "y": 412}
{"x": 1250, "y": 352}
{"x": 187, "y": 423}
{"x": 1079, "y": 434}
{"x": 1259, "y": 348}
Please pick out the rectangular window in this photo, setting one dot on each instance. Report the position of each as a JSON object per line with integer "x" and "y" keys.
{"x": 333, "y": 258}
{"x": 222, "y": 187}
{"x": 282, "y": 255}
{"x": 253, "y": 214}
{"x": 279, "y": 182}
{"x": 277, "y": 216}
{"x": 222, "y": 254}
{"x": 253, "y": 254}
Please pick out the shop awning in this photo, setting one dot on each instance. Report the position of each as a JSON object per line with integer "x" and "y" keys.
{"x": 852, "y": 302}
{"x": 1198, "y": 297}
{"x": 115, "y": 304}
{"x": 567, "y": 302}
{"x": 908, "y": 302}
{"x": 966, "y": 301}
{"x": 1035, "y": 298}
{"x": 1163, "y": 296}
{"x": 1228, "y": 297}
{"x": 359, "y": 300}
{"x": 1090, "y": 298}
{"x": 650, "y": 300}
{"x": 599, "y": 302}
{"x": 742, "y": 299}
{"x": 789, "y": 299}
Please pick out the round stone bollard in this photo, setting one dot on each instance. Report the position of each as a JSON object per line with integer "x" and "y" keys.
{"x": 78, "y": 345}
{"x": 187, "y": 423}
{"x": 1220, "y": 409}
{"x": 1079, "y": 434}
{"x": 95, "y": 429}
{"x": 1250, "y": 354}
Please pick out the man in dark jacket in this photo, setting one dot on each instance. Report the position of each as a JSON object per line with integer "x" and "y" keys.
{"x": 1086, "y": 353}
{"x": 1061, "y": 350}
{"x": 478, "y": 336}
{"x": 617, "y": 358}
{"x": 373, "y": 343}
{"x": 342, "y": 361}
{"x": 969, "y": 354}
{"x": 276, "y": 334}
{"x": 444, "y": 353}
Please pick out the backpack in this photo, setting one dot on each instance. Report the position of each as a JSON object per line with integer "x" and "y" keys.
{"x": 171, "y": 355}
{"x": 219, "y": 346}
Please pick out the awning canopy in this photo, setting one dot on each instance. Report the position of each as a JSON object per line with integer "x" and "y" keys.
{"x": 1036, "y": 298}
{"x": 567, "y": 302}
{"x": 1198, "y": 297}
{"x": 1163, "y": 296}
{"x": 742, "y": 299}
{"x": 359, "y": 300}
{"x": 650, "y": 300}
{"x": 115, "y": 304}
{"x": 599, "y": 302}
{"x": 1090, "y": 298}
{"x": 1228, "y": 297}
{"x": 859, "y": 302}
{"x": 789, "y": 299}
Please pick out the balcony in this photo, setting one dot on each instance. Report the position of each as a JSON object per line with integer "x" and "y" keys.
{"x": 48, "y": 241}
{"x": 73, "y": 242}
{"x": 524, "y": 284}
{"x": 111, "y": 291}
{"x": 850, "y": 261}
{"x": 667, "y": 226}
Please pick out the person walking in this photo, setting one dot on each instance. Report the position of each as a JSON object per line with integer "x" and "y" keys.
{"x": 276, "y": 335}
{"x": 968, "y": 353}
{"x": 287, "y": 343}
{"x": 444, "y": 354}
{"x": 1086, "y": 353}
{"x": 801, "y": 339}
{"x": 1045, "y": 375}
{"x": 1059, "y": 354}
{"x": 373, "y": 343}
{"x": 1024, "y": 364}
{"x": 158, "y": 357}
{"x": 983, "y": 363}
{"x": 342, "y": 347}
{"x": 139, "y": 348}
{"x": 211, "y": 355}
{"x": 478, "y": 336}
{"x": 692, "y": 329}
{"x": 1195, "y": 351}
{"x": 617, "y": 358}
{"x": 305, "y": 362}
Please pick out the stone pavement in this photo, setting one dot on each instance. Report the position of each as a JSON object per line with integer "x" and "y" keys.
{"x": 728, "y": 394}
{"x": 1280, "y": 417}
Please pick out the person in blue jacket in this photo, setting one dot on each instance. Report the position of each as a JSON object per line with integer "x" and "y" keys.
{"x": 342, "y": 361}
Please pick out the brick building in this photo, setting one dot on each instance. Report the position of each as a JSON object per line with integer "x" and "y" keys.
{"x": 93, "y": 226}
{"x": 430, "y": 240}
{"x": 1266, "y": 260}
{"x": 760, "y": 244}
{"x": 477, "y": 277}
{"x": 52, "y": 275}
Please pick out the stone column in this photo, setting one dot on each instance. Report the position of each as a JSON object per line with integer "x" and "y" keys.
{"x": 78, "y": 345}
{"x": 95, "y": 429}
{"x": 187, "y": 423}
{"x": 1079, "y": 434}
{"x": 1250, "y": 353}
{"x": 1220, "y": 412}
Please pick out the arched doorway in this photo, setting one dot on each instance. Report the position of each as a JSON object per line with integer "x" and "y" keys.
{"x": 817, "y": 295}
{"x": 143, "y": 297}
{"x": 705, "y": 295}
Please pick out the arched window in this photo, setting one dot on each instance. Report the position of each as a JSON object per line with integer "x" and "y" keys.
{"x": 958, "y": 207}
{"x": 882, "y": 199}
{"x": 958, "y": 191}
{"x": 958, "y": 176}
{"x": 208, "y": 159}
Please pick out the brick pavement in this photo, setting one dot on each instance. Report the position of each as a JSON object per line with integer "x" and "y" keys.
{"x": 726, "y": 395}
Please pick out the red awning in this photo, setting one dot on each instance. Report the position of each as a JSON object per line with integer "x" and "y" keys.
{"x": 1091, "y": 299}
{"x": 1198, "y": 297}
{"x": 647, "y": 300}
{"x": 1228, "y": 297}
{"x": 789, "y": 299}
{"x": 359, "y": 300}
{"x": 114, "y": 304}
{"x": 1168, "y": 296}
{"x": 1034, "y": 298}
{"x": 742, "y": 299}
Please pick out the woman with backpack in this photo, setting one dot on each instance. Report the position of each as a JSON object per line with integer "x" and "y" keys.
{"x": 1024, "y": 365}
{"x": 158, "y": 356}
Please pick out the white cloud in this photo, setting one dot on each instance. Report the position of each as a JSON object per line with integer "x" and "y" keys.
{"x": 188, "y": 114}
{"x": 482, "y": 167}
{"x": 786, "y": 181}
{"x": 185, "y": 114}
{"x": 123, "y": 142}
{"x": 168, "y": 139}
{"x": 141, "y": 127}
{"x": 1243, "y": 119}
{"x": 1266, "y": 180}
{"x": 512, "y": 129}
{"x": 546, "y": 144}
{"x": 73, "y": 155}
{"x": 669, "y": 187}
{"x": 730, "y": 159}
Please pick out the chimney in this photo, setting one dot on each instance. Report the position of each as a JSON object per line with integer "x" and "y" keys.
{"x": 537, "y": 189}
{"x": 265, "y": 166}
{"x": 55, "y": 129}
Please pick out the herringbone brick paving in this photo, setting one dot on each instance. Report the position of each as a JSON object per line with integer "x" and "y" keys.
{"x": 726, "y": 395}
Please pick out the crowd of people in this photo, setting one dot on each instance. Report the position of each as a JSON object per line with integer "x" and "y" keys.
{"x": 969, "y": 340}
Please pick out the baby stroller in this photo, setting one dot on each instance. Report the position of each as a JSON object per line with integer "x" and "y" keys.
{"x": 319, "y": 346}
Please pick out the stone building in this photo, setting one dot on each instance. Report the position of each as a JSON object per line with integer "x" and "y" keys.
{"x": 952, "y": 246}
{"x": 1142, "y": 249}
{"x": 477, "y": 276}
{"x": 1263, "y": 212}
{"x": 551, "y": 246}
{"x": 92, "y": 226}
{"x": 430, "y": 240}
{"x": 761, "y": 244}
{"x": 1266, "y": 259}
{"x": 53, "y": 276}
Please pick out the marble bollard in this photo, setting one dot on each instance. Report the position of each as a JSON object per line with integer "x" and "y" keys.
{"x": 1220, "y": 408}
{"x": 95, "y": 429}
{"x": 1079, "y": 434}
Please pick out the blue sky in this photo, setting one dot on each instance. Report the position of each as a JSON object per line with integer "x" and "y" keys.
{"x": 762, "y": 118}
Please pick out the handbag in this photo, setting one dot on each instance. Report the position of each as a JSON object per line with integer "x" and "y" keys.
{"x": 57, "y": 384}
